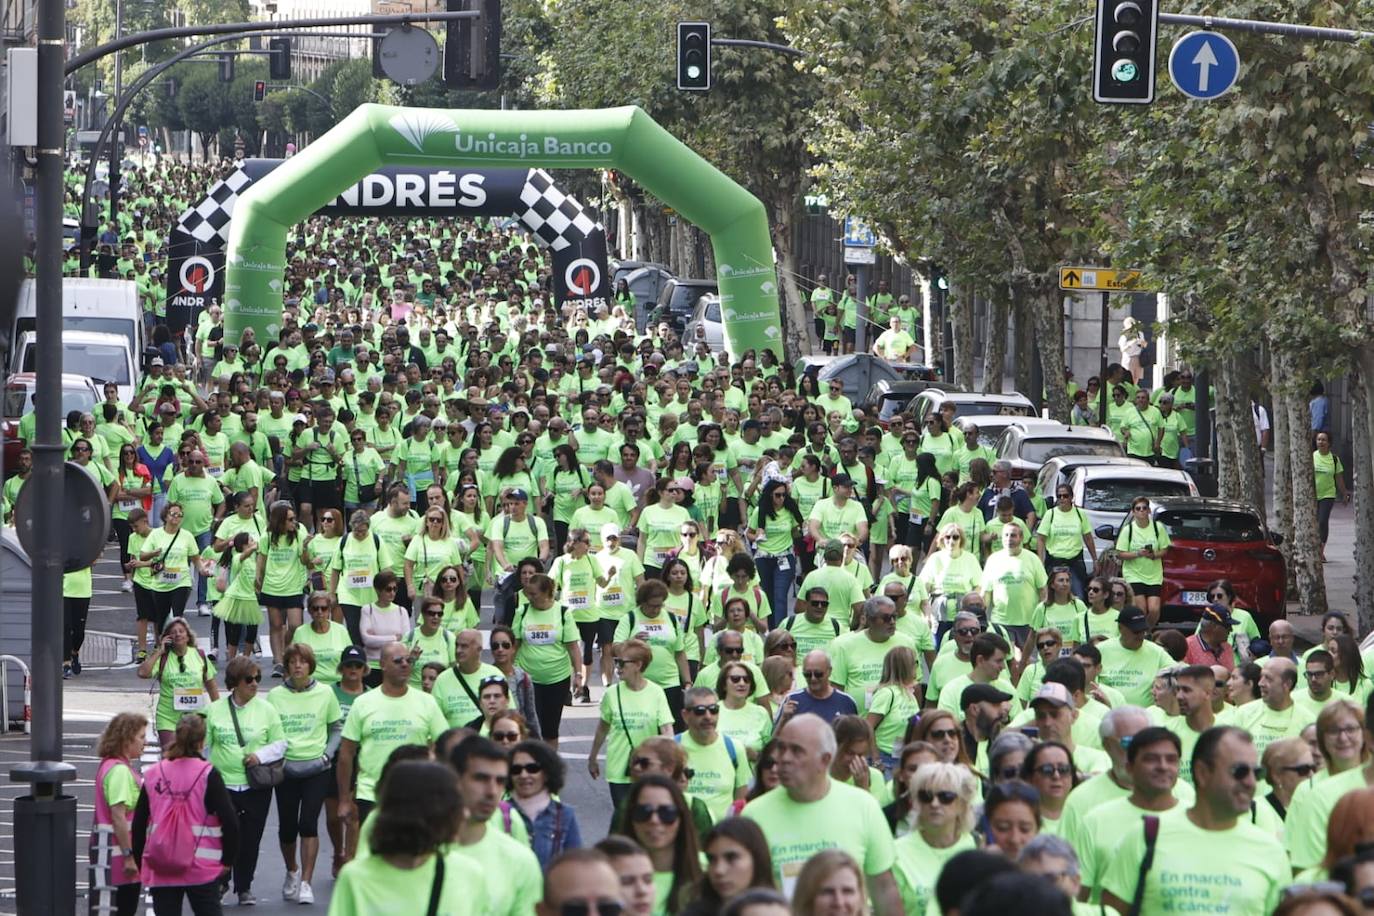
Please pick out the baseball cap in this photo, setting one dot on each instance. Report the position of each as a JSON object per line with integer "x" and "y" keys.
{"x": 327, "y": 377}
{"x": 1056, "y": 694}
{"x": 157, "y": 361}
{"x": 1133, "y": 618}
{"x": 981, "y": 693}
{"x": 832, "y": 548}
{"x": 685, "y": 483}
{"x": 690, "y": 367}
{"x": 352, "y": 655}
{"x": 610, "y": 530}
{"x": 1218, "y": 613}
{"x": 518, "y": 494}
{"x": 301, "y": 418}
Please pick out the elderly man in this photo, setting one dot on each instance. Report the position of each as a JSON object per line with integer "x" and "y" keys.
{"x": 820, "y": 698}
{"x": 1055, "y": 714}
{"x": 953, "y": 662}
{"x": 1280, "y": 643}
{"x": 457, "y": 688}
{"x": 720, "y": 767}
{"x": 1001, "y": 486}
{"x": 1212, "y": 855}
{"x": 858, "y": 657}
{"x": 1275, "y": 716}
{"x": 1211, "y": 644}
{"x": 911, "y": 624}
{"x": 810, "y": 811}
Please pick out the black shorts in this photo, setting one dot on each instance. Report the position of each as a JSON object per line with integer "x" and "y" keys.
{"x": 1146, "y": 591}
{"x": 144, "y": 606}
{"x": 267, "y": 600}
{"x": 322, "y": 494}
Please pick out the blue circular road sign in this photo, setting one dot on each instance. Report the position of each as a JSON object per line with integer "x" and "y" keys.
{"x": 1204, "y": 65}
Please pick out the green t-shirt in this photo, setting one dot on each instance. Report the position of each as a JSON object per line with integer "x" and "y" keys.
{"x": 917, "y": 868}
{"x": 327, "y": 646}
{"x": 1011, "y": 585}
{"x": 1238, "y": 871}
{"x": 357, "y": 562}
{"x": 971, "y": 523}
{"x": 361, "y": 469}
{"x": 521, "y": 884}
{"x": 951, "y": 577}
{"x": 435, "y": 648}
{"x": 896, "y": 707}
{"x": 857, "y": 664}
{"x": 181, "y": 686}
{"x": 1066, "y": 618}
{"x": 1132, "y": 671}
{"x": 1143, "y": 570}
{"x": 659, "y": 528}
{"x": 120, "y": 786}
{"x": 1310, "y": 809}
{"x": 1267, "y": 725}
{"x": 810, "y": 635}
{"x": 381, "y": 723}
{"x": 837, "y": 520}
{"x": 1326, "y": 468}
{"x": 306, "y": 717}
{"x": 842, "y": 589}
{"x": 749, "y": 727}
{"x": 576, "y": 581}
{"x": 1097, "y": 834}
{"x": 457, "y": 704}
{"x": 518, "y": 539}
{"x": 665, "y": 639}
{"x": 174, "y": 552}
{"x": 844, "y": 818}
{"x": 1064, "y": 532}
{"x": 198, "y": 497}
{"x": 283, "y": 574}
{"x": 430, "y": 555}
{"x": 370, "y": 885}
{"x": 715, "y": 775}
{"x": 617, "y": 596}
{"x": 259, "y": 725}
{"x": 777, "y": 533}
{"x": 631, "y": 716}
{"x": 393, "y": 533}
{"x": 543, "y": 637}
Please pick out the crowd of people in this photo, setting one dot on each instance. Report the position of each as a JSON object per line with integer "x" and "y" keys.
{"x": 836, "y": 664}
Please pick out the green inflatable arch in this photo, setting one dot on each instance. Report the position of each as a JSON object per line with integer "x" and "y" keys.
{"x": 620, "y": 138}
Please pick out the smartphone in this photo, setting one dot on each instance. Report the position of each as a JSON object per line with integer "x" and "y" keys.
{"x": 1030, "y": 731}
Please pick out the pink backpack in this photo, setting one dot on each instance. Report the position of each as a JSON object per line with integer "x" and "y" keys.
{"x": 170, "y": 849}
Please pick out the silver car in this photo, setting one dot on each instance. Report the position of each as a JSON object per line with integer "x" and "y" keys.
{"x": 705, "y": 325}
{"x": 1104, "y": 491}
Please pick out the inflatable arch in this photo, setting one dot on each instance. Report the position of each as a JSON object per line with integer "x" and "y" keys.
{"x": 195, "y": 274}
{"x": 626, "y": 139}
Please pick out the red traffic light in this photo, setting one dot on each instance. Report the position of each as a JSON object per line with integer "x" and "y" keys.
{"x": 259, "y": 90}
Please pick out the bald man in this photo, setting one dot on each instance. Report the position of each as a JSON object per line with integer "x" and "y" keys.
{"x": 457, "y": 689}
{"x": 1275, "y": 716}
{"x": 1280, "y": 643}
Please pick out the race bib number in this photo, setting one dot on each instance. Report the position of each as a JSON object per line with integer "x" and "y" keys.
{"x": 720, "y": 473}
{"x": 188, "y": 699}
{"x": 169, "y": 574}
{"x": 215, "y": 471}
{"x": 790, "y": 872}
{"x": 578, "y": 601}
{"x": 540, "y": 634}
{"x": 128, "y": 505}
{"x": 648, "y": 631}
{"x": 613, "y": 597}
{"x": 784, "y": 564}
{"x": 662, "y": 556}
{"x": 359, "y": 578}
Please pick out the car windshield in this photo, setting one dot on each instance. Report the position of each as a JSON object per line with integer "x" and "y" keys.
{"x": 1217, "y": 525}
{"x": 1041, "y": 450}
{"x": 987, "y": 409}
{"x": 892, "y": 405}
{"x": 19, "y": 404}
{"x": 713, "y": 311}
{"x": 1115, "y": 494}
{"x": 102, "y": 362}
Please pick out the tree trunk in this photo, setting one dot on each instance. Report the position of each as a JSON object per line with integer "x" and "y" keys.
{"x": 959, "y": 303}
{"x": 797, "y": 328}
{"x": 1304, "y": 549}
{"x": 1362, "y": 444}
{"x": 995, "y": 353}
{"x": 1047, "y": 306}
{"x": 1023, "y": 344}
{"x": 1283, "y": 459}
{"x": 1242, "y": 471}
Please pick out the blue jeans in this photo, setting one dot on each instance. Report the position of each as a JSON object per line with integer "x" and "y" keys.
{"x": 202, "y": 541}
{"x": 776, "y": 574}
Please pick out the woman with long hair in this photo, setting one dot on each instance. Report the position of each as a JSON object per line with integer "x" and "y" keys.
{"x": 361, "y": 555}
{"x": 186, "y": 678}
{"x": 1349, "y": 667}
{"x": 829, "y": 884}
{"x": 172, "y": 552}
{"x": 501, "y": 642}
{"x": 512, "y": 471}
{"x": 567, "y": 481}
{"x": 777, "y": 524}
{"x": 546, "y": 647}
{"x": 894, "y": 704}
{"x": 658, "y": 629}
{"x": 1141, "y": 546}
{"x": 430, "y": 551}
{"x": 688, "y": 609}
{"x": 945, "y": 797}
{"x": 901, "y": 811}
{"x": 113, "y": 874}
{"x": 381, "y": 622}
{"x": 1099, "y": 620}
{"x": 656, "y": 816}
{"x": 281, "y": 578}
{"x": 679, "y": 461}
{"x": 1050, "y": 770}
{"x": 1060, "y": 610}
{"x": 575, "y": 575}
{"x": 451, "y": 591}
{"x": 1012, "y": 811}
{"x": 472, "y": 519}
{"x": 737, "y": 860}
{"x": 133, "y": 489}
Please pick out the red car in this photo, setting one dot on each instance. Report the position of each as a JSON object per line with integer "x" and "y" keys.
{"x": 1217, "y": 539}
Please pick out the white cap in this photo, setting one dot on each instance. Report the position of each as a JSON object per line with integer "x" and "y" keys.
{"x": 610, "y": 530}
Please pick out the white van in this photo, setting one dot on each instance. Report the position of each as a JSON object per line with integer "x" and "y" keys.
{"x": 105, "y": 306}
{"x": 100, "y": 356}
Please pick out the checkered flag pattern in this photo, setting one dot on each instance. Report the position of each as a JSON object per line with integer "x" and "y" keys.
{"x": 550, "y": 214}
{"x": 210, "y": 218}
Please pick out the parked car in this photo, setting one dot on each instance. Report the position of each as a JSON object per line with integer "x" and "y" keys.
{"x": 969, "y": 403}
{"x": 1214, "y": 539}
{"x": 989, "y": 428}
{"x": 102, "y": 356}
{"x": 677, "y": 300}
{"x": 859, "y": 372}
{"x": 78, "y": 393}
{"x": 621, "y": 270}
{"x": 1029, "y": 442}
{"x": 645, "y": 284}
{"x": 1104, "y": 489}
{"x": 705, "y": 325}
{"x": 891, "y": 397}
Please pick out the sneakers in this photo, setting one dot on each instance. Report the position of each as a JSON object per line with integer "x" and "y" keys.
{"x": 126, "y": 586}
{"x": 76, "y": 665}
{"x": 246, "y": 898}
{"x": 66, "y": 671}
{"x": 586, "y": 693}
{"x": 306, "y": 895}
{"x": 278, "y": 671}
{"x": 291, "y": 887}
{"x": 203, "y": 609}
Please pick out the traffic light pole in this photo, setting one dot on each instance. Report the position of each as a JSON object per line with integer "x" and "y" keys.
{"x": 1264, "y": 27}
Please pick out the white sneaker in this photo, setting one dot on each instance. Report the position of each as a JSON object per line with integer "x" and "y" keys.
{"x": 247, "y": 899}
{"x": 291, "y": 887}
{"x": 306, "y": 895}
{"x": 203, "y": 610}
{"x": 126, "y": 586}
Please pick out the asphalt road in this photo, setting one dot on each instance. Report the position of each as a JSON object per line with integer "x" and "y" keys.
{"x": 101, "y": 691}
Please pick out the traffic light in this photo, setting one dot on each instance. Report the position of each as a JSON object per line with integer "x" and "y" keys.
{"x": 259, "y": 90}
{"x": 279, "y": 58}
{"x": 472, "y": 47}
{"x": 226, "y": 68}
{"x": 1124, "y": 52}
{"x": 694, "y": 56}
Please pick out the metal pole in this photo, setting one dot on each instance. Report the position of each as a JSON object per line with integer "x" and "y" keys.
{"x": 1263, "y": 27}
{"x": 1102, "y": 370}
{"x": 861, "y": 308}
{"x": 45, "y": 862}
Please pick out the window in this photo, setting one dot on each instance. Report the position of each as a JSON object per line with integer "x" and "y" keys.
{"x": 713, "y": 311}
{"x": 1219, "y": 525}
{"x": 102, "y": 362}
{"x": 1115, "y": 494}
{"x": 1041, "y": 450}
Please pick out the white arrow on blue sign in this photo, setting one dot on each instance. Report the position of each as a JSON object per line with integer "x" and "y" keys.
{"x": 1204, "y": 65}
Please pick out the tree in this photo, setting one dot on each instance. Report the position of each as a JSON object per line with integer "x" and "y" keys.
{"x": 203, "y": 103}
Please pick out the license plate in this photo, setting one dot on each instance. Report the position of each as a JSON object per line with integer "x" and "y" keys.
{"x": 1194, "y": 597}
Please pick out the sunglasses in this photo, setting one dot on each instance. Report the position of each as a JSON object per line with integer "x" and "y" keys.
{"x": 642, "y": 814}
{"x": 502, "y": 645}
{"x": 813, "y": 675}
{"x": 319, "y": 607}
{"x": 1302, "y": 769}
{"x": 1242, "y": 771}
{"x": 402, "y": 660}
{"x": 943, "y": 734}
{"x": 1010, "y": 773}
{"x": 517, "y": 769}
{"x": 739, "y": 678}
{"x": 968, "y": 631}
{"x": 1054, "y": 769}
{"x": 925, "y": 797}
{"x": 448, "y": 579}
{"x": 703, "y": 710}
{"x": 432, "y": 613}
{"x": 1047, "y": 644}
{"x": 738, "y": 650}
{"x": 252, "y": 678}
{"x": 504, "y": 737}
{"x": 1093, "y": 588}
{"x": 820, "y": 604}
{"x": 1140, "y": 508}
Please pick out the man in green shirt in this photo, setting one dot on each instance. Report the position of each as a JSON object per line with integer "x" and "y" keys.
{"x": 1209, "y": 858}
{"x": 858, "y": 658}
{"x": 1275, "y": 716}
{"x": 483, "y": 772}
{"x": 456, "y": 690}
{"x": 720, "y": 768}
{"x": 1130, "y": 662}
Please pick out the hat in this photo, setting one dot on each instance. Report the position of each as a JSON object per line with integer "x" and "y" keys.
{"x": 610, "y": 530}
{"x": 352, "y": 655}
{"x": 685, "y": 483}
{"x": 1054, "y": 693}
{"x": 327, "y": 377}
{"x": 1133, "y": 618}
{"x": 1219, "y": 614}
{"x": 301, "y": 418}
{"x": 832, "y": 548}
{"x": 690, "y": 367}
{"x": 310, "y": 326}
{"x": 981, "y": 693}
{"x": 517, "y": 493}
{"x": 157, "y": 361}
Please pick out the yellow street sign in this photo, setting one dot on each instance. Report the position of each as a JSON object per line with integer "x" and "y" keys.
{"x": 1100, "y": 279}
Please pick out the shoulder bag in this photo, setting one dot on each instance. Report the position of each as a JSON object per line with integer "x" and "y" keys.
{"x": 260, "y": 775}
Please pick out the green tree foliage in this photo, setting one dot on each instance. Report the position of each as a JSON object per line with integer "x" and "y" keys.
{"x": 202, "y": 101}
